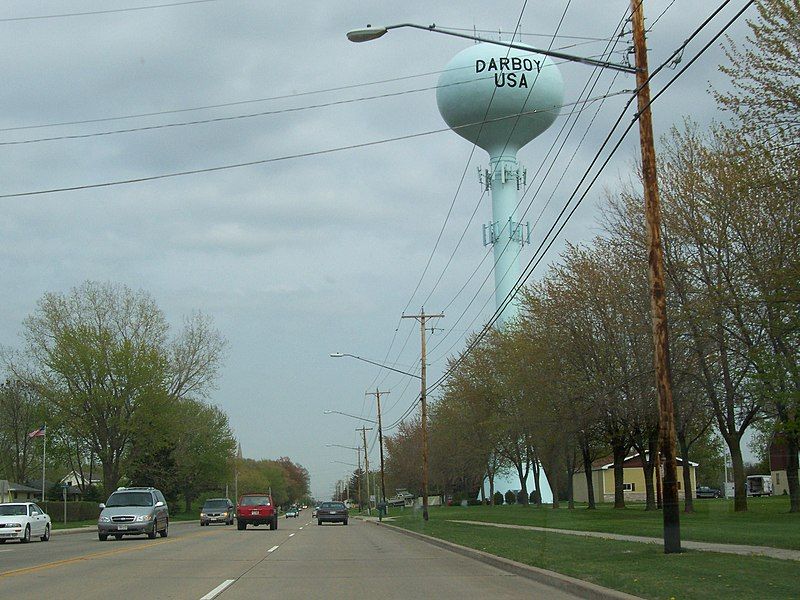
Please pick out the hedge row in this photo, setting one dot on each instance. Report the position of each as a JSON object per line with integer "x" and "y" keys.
{"x": 76, "y": 511}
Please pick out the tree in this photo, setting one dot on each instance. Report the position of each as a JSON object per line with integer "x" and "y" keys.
{"x": 100, "y": 354}
{"x": 765, "y": 103}
{"x": 297, "y": 479}
{"x": 403, "y": 462}
{"x": 203, "y": 449}
{"x": 21, "y": 411}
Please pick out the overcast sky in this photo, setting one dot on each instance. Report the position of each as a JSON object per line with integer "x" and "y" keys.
{"x": 298, "y": 257}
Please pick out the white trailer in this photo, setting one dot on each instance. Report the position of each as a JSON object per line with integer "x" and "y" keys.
{"x": 759, "y": 485}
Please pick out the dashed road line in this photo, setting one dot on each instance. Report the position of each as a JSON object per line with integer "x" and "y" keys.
{"x": 291, "y": 535}
{"x": 217, "y": 590}
{"x": 273, "y": 549}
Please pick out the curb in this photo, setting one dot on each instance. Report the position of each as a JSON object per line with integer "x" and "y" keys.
{"x": 571, "y": 585}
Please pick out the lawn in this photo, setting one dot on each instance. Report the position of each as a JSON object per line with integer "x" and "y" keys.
{"x": 639, "y": 569}
{"x": 766, "y": 523}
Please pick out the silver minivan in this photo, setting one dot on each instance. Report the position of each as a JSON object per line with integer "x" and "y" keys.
{"x": 134, "y": 511}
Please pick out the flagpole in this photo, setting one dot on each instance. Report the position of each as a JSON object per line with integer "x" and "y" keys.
{"x": 44, "y": 458}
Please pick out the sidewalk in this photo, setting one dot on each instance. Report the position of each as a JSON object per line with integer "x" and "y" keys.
{"x": 768, "y": 551}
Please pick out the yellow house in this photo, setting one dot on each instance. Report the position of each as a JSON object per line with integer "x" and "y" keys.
{"x": 633, "y": 480}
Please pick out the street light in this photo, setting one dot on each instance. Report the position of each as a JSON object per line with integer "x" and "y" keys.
{"x": 372, "y": 33}
{"x": 655, "y": 250}
{"x": 337, "y": 412}
{"x": 372, "y": 362}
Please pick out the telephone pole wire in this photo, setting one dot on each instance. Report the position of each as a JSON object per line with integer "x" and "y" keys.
{"x": 422, "y": 318}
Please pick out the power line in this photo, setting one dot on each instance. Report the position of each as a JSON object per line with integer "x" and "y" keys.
{"x": 253, "y": 162}
{"x": 105, "y": 12}
{"x": 228, "y": 118}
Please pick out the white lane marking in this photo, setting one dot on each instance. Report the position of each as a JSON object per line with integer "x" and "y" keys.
{"x": 272, "y": 549}
{"x": 301, "y": 528}
{"x": 291, "y": 535}
{"x": 217, "y": 590}
{"x": 6, "y": 550}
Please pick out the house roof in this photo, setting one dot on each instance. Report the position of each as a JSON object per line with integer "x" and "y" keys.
{"x": 630, "y": 462}
{"x": 18, "y": 487}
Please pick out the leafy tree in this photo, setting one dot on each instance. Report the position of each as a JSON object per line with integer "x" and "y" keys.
{"x": 100, "y": 354}
{"x": 403, "y": 461}
{"x": 21, "y": 411}
{"x": 297, "y": 479}
{"x": 511, "y": 497}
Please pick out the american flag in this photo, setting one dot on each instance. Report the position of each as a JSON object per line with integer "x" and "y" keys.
{"x": 37, "y": 432}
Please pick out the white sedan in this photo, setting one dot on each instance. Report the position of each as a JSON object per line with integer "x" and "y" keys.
{"x": 23, "y": 521}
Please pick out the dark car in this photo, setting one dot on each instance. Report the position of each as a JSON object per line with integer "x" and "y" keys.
{"x": 707, "y": 492}
{"x": 332, "y": 512}
{"x": 256, "y": 509}
{"x": 217, "y": 510}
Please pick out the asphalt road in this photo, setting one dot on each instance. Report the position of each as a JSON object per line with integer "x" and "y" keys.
{"x": 299, "y": 560}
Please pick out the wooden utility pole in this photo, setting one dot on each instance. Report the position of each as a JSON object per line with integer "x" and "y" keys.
{"x": 422, "y": 317}
{"x": 377, "y": 393}
{"x": 360, "y": 477}
{"x": 658, "y": 302}
{"x": 364, "y": 431}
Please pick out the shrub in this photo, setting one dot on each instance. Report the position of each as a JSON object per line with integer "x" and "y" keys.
{"x": 76, "y": 511}
{"x": 474, "y": 502}
{"x": 511, "y": 497}
{"x": 498, "y": 498}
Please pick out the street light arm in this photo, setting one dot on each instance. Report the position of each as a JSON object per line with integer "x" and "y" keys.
{"x": 337, "y": 412}
{"x": 371, "y": 33}
{"x": 372, "y": 362}
{"x": 341, "y": 446}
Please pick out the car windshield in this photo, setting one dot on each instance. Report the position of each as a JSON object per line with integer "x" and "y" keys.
{"x": 12, "y": 510}
{"x": 216, "y": 504}
{"x": 130, "y": 499}
{"x": 335, "y": 505}
{"x": 255, "y": 501}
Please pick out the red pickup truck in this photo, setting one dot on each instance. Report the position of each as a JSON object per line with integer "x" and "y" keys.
{"x": 256, "y": 509}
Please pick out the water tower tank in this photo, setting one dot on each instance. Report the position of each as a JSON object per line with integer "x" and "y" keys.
{"x": 499, "y": 98}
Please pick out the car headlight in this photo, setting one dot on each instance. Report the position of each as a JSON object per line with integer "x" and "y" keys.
{"x": 141, "y": 518}
{"x": 14, "y": 525}
{"x": 202, "y": 514}
{"x": 104, "y": 519}
{"x": 224, "y": 514}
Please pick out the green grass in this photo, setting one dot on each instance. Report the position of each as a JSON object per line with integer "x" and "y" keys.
{"x": 640, "y": 569}
{"x": 766, "y": 523}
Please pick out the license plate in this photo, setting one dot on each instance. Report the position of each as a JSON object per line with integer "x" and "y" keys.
{"x": 253, "y": 512}
{"x": 121, "y": 527}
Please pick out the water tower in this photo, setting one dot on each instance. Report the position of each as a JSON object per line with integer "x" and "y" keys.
{"x": 501, "y": 98}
